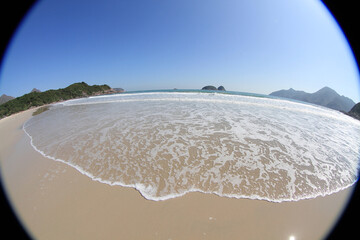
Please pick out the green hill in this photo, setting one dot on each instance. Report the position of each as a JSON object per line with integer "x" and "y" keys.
{"x": 35, "y": 99}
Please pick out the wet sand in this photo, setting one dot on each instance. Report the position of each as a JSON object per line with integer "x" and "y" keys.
{"x": 55, "y": 201}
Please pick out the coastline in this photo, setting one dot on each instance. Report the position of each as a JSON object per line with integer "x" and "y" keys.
{"x": 55, "y": 201}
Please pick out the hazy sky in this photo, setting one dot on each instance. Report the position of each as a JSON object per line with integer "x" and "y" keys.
{"x": 251, "y": 46}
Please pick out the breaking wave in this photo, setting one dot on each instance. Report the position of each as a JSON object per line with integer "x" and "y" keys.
{"x": 166, "y": 144}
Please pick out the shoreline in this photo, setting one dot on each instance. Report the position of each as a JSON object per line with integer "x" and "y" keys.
{"x": 138, "y": 187}
{"x": 54, "y": 200}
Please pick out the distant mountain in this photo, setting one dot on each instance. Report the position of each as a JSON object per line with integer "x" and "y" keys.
{"x": 326, "y": 97}
{"x": 4, "y": 98}
{"x": 291, "y": 93}
{"x": 35, "y": 90}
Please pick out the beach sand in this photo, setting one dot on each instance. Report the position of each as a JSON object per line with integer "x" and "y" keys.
{"x": 55, "y": 201}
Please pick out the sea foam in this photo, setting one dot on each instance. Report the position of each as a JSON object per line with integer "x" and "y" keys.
{"x": 168, "y": 144}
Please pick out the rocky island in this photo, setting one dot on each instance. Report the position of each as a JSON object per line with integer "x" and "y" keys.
{"x": 209, "y": 87}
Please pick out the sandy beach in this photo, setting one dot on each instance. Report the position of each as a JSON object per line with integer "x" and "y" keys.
{"x": 55, "y": 201}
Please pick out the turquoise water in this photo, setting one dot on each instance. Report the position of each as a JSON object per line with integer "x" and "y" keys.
{"x": 221, "y": 92}
{"x": 202, "y": 91}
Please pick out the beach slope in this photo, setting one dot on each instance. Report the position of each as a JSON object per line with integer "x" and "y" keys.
{"x": 55, "y": 201}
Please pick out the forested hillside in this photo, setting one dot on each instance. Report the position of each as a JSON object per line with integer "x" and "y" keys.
{"x": 35, "y": 98}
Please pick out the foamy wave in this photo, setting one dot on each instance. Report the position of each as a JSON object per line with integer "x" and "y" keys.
{"x": 211, "y": 98}
{"x": 168, "y": 144}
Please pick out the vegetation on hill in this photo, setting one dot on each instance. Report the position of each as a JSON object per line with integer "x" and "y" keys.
{"x": 355, "y": 111}
{"x": 41, "y": 110}
{"x": 35, "y": 99}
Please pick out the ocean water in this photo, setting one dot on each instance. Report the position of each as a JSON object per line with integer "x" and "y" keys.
{"x": 168, "y": 143}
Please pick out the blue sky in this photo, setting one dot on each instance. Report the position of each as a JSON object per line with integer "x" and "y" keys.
{"x": 250, "y": 46}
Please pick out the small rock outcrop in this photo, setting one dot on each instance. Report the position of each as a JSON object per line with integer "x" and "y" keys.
{"x": 119, "y": 90}
{"x": 221, "y": 88}
{"x": 111, "y": 91}
{"x": 209, "y": 88}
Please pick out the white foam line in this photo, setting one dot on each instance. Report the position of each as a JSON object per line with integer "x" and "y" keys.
{"x": 324, "y": 112}
{"x": 237, "y": 196}
{"x": 141, "y": 188}
{"x": 126, "y": 95}
{"x": 204, "y": 94}
{"x": 236, "y": 99}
